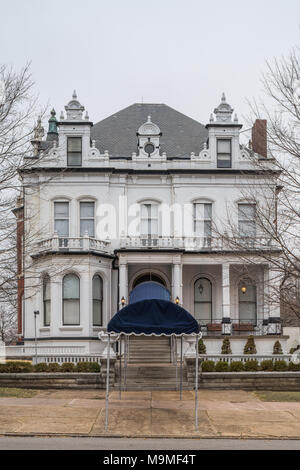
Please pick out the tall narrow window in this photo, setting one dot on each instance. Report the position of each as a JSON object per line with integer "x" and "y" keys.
{"x": 224, "y": 153}
{"x": 71, "y": 300}
{"x": 61, "y": 218}
{"x": 247, "y": 301}
{"x": 87, "y": 219}
{"x": 203, "y": 300}
{"x": 47, "y": 300}
{"x": 149, "y": 220}
{"x": 97, "y": 300}
{"x": 61, "y": 222}
{"x": 74, "y": 151}
{"x": 247, "y": 216}
{"x": 202, "y": 220}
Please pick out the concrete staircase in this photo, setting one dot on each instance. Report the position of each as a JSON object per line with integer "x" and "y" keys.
{"x": 152, "y": 377}
{"x": 149, "y": 350}
{"x": 150, "y": 366}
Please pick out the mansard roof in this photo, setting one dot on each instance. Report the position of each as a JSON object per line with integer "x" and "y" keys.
{"x": 181, "y": 135}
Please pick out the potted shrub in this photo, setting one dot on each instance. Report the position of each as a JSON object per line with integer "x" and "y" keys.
{"x": 250, "y": 347}
{"x": 226, "y": 346}
{"x": 277, "y": 349}
{"x": 201, "y": 347}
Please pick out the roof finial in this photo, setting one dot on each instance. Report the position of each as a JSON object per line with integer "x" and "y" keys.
{"x": 149, "y": 119}
{"x": 223, "y": 99}
{"x": 74, "y": 96}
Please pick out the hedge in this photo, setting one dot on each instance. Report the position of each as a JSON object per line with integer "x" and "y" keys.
{"x": 267, "y": 365}
{"x": 222, "y": 366}
{"x": 208, "y": 366}
{"x": 236, "y": 366}
{"x": 251, "y": 366}
{"x": 19, "y": 367}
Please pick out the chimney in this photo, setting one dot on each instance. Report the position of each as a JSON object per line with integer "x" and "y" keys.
{"x": 259, "y": 137}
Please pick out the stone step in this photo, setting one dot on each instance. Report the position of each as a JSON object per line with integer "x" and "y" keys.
{"x": 149, "y": 350}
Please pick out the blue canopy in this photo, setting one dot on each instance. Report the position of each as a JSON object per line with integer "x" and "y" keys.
{"x": 154, "y": 316}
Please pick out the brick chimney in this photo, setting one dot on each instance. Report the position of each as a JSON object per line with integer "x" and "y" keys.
{"x": 259, "y": 137}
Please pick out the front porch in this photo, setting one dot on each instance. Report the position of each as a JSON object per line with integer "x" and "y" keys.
{"x": 225, "y": 295}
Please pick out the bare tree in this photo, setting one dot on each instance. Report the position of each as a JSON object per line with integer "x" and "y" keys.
{"x": 276, "y": 189}
{"x": 18, "y": 112}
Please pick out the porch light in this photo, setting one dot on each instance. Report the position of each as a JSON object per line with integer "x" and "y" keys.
{"x": 123, "y": 301}
{"x": 177, "y": 300}
{"x": 244, "y": 289}
{"x": 201, "y": 288}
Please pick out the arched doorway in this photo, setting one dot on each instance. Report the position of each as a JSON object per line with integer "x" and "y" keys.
{"x": 148, "y": 290}
{"x": 149, "y": 277}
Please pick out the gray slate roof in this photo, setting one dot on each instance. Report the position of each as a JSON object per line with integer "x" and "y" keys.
{"x": 181, "y": 135}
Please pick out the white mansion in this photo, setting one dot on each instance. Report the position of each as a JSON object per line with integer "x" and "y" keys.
{"x": 117, "y": 211}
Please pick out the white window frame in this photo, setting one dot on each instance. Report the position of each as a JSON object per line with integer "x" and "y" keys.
{"x": 202, "y": 219}
{"x": 247, "y": 220}
{"x": 150, "y": 219}
{"x": 83, "y": 201}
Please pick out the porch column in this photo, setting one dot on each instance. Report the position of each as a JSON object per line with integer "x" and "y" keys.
{"x": 226, "y": 320}
{"x": 274, "y": 324}
{"x": 123, "y": 282}
{"x": 177, "y": 279}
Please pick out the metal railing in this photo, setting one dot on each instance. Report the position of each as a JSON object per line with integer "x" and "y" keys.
{"x": 239, "y": 327}
{"x": 245, "y": 357}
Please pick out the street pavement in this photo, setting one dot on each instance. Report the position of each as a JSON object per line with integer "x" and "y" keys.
{"x": 156, "y": 414}
{"x": 110, "y": 444}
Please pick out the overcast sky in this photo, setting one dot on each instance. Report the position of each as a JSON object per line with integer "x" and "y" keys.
{"x": 184, "y": 53}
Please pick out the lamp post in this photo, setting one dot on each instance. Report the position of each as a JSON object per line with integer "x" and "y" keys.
{"x": 36, "y": 312}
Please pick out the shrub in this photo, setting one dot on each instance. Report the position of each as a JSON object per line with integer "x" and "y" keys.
{"x": 251, "y": 366}
{"x": 236, "y": 366}
{"x": 250, "y": 347}
{"x": 201, "y": 347}
{"x": 280, "y": 366}
{"x": 277, "y": 349}
{"x": 208, "y": 366}
{"x": 222, "y": 366}
{"x": 67, "y": 367}
{"x": 294, "y": 367}
{"x": 88, "y": 367}
{"x": 41, "y": 367}
{"x": 226, "y": 347}
{"x": 267, "y": 365}
{"x": 54, "y": 367}
{"x": 14, "y": 367}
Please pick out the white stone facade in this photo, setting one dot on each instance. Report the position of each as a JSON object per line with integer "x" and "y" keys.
{"x": 118, "y": 250}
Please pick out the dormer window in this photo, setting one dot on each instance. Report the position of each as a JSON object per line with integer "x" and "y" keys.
{"x": 224, "y": 153}
{"x": 74, "y": 151}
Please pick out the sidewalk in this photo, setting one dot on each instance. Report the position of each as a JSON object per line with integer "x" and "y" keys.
{"x": 235, "y": 414}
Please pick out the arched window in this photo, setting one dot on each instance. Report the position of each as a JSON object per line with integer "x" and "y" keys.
{"x": 46, "y": 300}
{"x": 71, "y": 300}
{"x": 148, "y": 277}
{"x": 97, "y": 300}
{"x": 247, "y": 301}
{"x": 203, "y": 300}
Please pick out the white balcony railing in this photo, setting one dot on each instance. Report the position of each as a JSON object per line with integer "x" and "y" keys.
{"x": 71, "y": 244}
{"x": 197, "y": 243}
